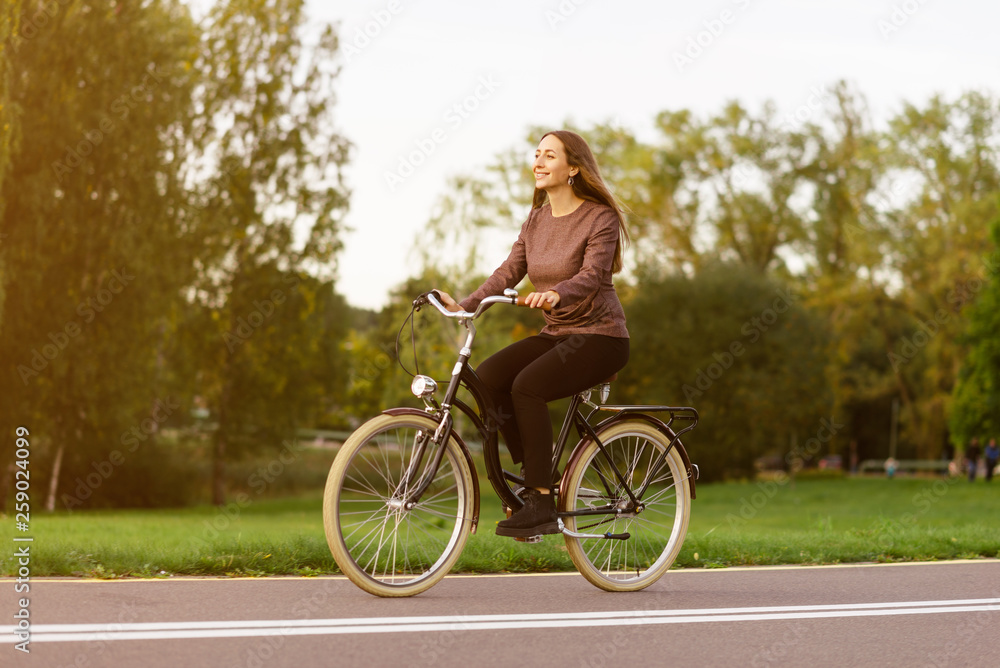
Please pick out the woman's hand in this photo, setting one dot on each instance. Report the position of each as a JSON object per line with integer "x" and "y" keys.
{"x": 540, "y": 299}
{"x": 448, "y": 302}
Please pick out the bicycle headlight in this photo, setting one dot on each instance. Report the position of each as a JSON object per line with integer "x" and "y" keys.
{"x": 423, "y": 386}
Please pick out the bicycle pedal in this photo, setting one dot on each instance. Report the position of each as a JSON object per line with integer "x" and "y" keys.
{"x": 530, "y": 539}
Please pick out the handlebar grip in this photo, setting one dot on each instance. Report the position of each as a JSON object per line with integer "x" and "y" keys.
{"x": 545, "y": 307}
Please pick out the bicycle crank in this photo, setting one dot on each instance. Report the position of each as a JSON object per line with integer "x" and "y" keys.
{"x": 608, "y": 535}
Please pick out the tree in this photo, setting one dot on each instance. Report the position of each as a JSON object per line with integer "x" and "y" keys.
{"x": 189, "y": 181}
{"x": 93, "y": 201}
{"x": 975, "y": 408}
{"x": 274, "y": 202}
{"x": 10, "y": 40}
{"x": 939, "y": 225}
{"x": 742, "y": 350}
{"x": 847, "y": 242}
{"x": 284, "y": 355}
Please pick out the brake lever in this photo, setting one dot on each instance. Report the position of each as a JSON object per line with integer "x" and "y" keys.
{"x": 421, "y": 301}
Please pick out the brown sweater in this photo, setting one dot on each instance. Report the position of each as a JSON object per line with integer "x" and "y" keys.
{"x": 571, "y": 255}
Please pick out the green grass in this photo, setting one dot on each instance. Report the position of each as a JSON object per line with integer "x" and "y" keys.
{"x": 808, "y": 522}
{"x": 849, "y": 520}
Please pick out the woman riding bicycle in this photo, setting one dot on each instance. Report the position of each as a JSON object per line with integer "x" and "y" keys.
{"x": 569, "y": 247}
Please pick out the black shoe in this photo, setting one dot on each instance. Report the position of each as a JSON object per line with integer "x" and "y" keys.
{"x": 537, "y": 517}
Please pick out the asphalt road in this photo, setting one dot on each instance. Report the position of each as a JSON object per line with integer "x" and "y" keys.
{"x": 931, "y": 614}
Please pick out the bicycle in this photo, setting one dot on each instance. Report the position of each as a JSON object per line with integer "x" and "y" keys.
{"x": 402, "y": 495}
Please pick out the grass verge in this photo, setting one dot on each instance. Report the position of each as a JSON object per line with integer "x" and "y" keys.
{"x": 805, "y": 522}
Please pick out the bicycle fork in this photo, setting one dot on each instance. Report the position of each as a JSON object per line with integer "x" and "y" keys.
{"x": 406, "y": 497}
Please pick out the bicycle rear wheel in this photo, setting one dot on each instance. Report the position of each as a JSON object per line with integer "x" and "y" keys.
{"x": 656, "y": 533}
{"x": 380, "y": 541}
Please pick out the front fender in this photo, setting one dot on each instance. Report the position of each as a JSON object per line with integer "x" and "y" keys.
{"x": 432, "y": 424}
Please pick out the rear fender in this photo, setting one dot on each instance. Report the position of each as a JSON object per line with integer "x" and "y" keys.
{"x": 432, "y": 424}
{"x": 659, "y": 425}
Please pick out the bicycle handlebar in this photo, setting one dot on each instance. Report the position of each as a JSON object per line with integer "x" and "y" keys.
{"x": 432, "y": 298}
{"x": 522, "y": 301}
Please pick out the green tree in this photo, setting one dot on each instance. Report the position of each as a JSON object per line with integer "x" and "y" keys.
{"x": 945, "y": 152}
{"x": 975, "y": 407}
{"x": 276, "y": 199}
{"x": 10, "y": 39}
{"x": 10, "y": 42}
{"x": 847, "y": 242}
{"x": 734, "y": 177}
{"x": 93, "y": 203}
{"x": 738, "y": 347}
{"x": 285, "y": 356}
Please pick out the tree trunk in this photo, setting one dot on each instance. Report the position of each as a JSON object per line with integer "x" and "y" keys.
{"x": 219, "y": 448}
{"x": 6, "y": 474}
{"x": 50, "y": 502}
{"x": 219, "y": 469}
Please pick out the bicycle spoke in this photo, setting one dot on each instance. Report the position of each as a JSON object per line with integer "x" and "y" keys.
{"x": 382, "y": 536}
{"x": 607, "y": 479}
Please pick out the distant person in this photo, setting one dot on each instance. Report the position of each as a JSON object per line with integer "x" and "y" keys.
{"x": 890, "y": 467}
{"x": 992, "y": 457}
{"x": 972, "y": 458}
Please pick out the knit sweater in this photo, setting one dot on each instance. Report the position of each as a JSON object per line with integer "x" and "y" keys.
{"x": 572, "y": 255}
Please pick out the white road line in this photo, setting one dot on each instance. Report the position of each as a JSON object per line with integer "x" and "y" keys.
{"x": 365, "y": 625}
{"x": 695, "y": 572}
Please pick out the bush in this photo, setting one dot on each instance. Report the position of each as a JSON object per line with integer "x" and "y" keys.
{"x": 741, "y": 349}
{"x": 156, "y": 475}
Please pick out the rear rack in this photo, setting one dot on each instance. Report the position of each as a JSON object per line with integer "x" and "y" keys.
{"x": 680, "y": 413}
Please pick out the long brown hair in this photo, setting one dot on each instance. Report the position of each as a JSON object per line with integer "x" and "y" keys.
{"x": 588, "y": 184}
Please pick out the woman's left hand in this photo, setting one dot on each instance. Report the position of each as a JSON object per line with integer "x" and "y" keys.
{"x": 540, "y": 299}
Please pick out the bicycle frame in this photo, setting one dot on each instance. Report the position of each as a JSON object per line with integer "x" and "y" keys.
{"x": 463, "y": 374}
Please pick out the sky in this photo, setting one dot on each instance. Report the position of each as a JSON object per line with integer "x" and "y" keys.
{"x": 431, "y": 89}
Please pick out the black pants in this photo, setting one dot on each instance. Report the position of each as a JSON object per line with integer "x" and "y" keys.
{"x": 526, "y": 375}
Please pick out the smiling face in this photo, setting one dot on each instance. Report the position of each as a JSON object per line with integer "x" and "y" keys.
{"x": 550, "y": 166}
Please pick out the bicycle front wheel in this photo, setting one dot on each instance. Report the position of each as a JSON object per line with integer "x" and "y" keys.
{"x": 384, "y": 541}
{"x": 656, "y": 532}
